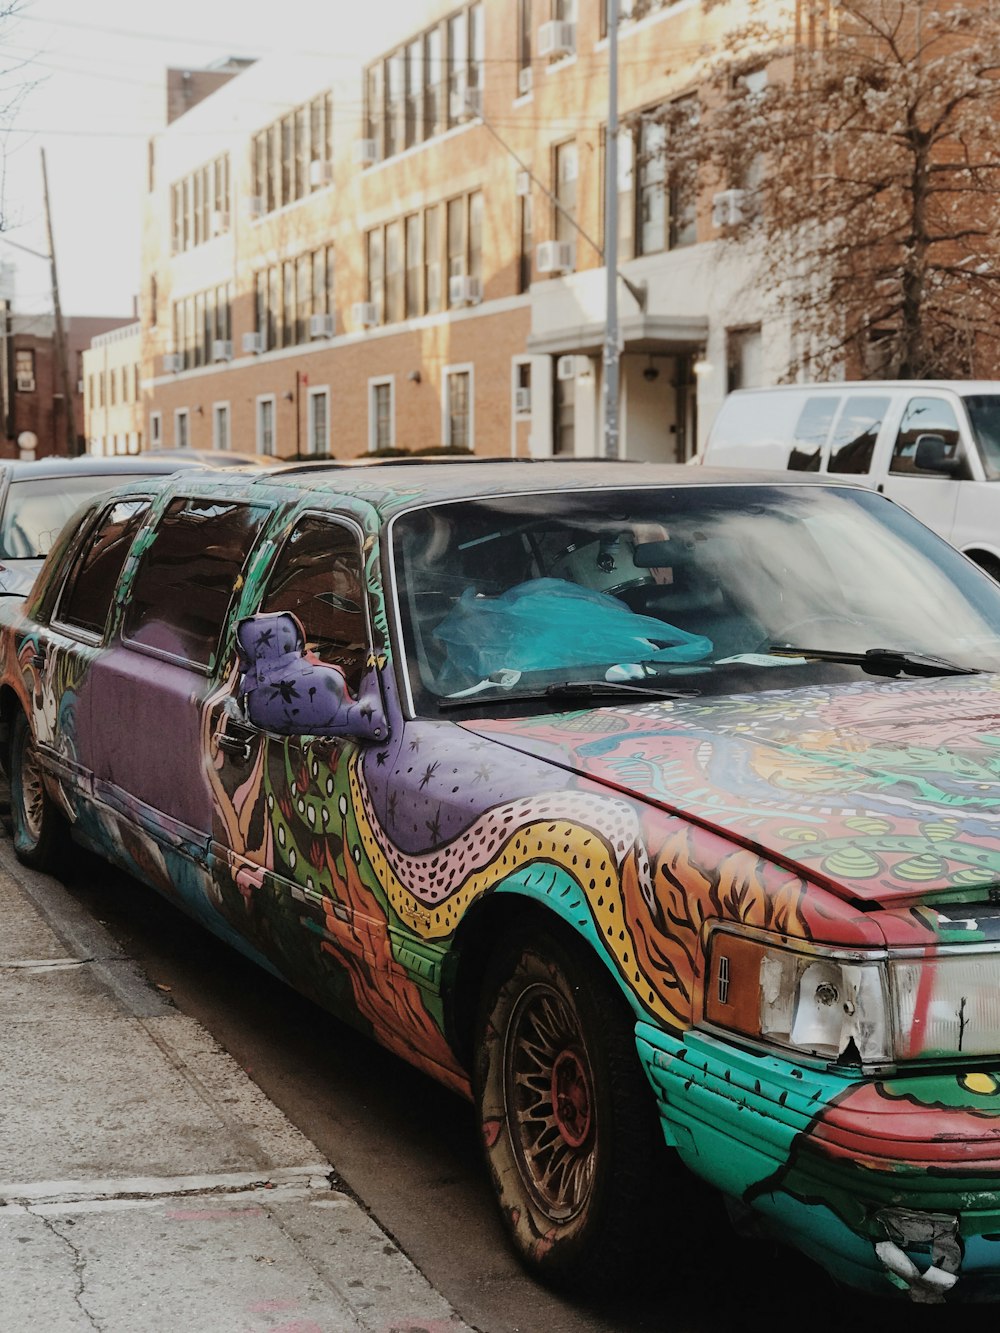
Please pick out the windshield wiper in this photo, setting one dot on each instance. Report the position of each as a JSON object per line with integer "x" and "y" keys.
{"x": 882, "y": 661}
{"x": 569, "y": 689}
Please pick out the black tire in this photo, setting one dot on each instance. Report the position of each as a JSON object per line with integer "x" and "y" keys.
{"x": 38, "y": 829}
{"x": 568, "y": 1120}
{"x": 989, "y": 565}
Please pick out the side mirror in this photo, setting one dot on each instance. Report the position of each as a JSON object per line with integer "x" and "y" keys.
{"x": 933, "y": 454}
{"x": 286, "y": 690}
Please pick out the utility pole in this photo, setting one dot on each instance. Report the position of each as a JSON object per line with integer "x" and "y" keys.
{"x": 62, "y": 359}
{"x": 612, "y": 349}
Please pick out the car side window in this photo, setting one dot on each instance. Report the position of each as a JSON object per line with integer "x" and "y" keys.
{"x": 853, "y": 442}
{"x": 187, "y": 576}
{"x": 811, "y": 430}
{"x": 923, "y": 416}
{"x": 86, "y": 598}
{"x": 319, "y": 576}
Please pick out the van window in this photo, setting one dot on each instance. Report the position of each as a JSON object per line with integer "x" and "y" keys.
{"x": 754, "y": 427}
{"x": 923, "y": 416}
{"x": 854, "y": 437}
{"x": 984, "y": 417}
{"x": 811, "y": 430}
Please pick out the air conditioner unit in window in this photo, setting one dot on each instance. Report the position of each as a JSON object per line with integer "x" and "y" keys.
{"x": 365, "y": 152}
{"x": 556, "y": 257}
{"x": 522, "y": 183}
{"x": 25, "y": 383}
{"x": 728, "y": 208}
{"x": 320, "y": 173}
{"x": 522, "y": 401}
{"x": 525, "y": 81}
{"x": 557, "y": 38}
{"x": 567, "y": 368}
{"x": 364, "y": 314}
{"x": 253, "y": 343}
{"x": 256, "y": 205}
{"x": 173, "y": 362}
{"x": 465, "y": 103}
{"x": 222, "y": 350}
{"x": 464, "y": 291}
{"x": 320, "y": 326}
{"x": 220, "y": 222}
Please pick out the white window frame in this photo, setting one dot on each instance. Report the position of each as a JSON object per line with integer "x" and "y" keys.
{"x": 263, "y": 398}
{"x": 155, "y": 429}
{"x": 181, "y": 414}
{"x": 217, "y": 410}
{"x": 321, "y": 390}
{"x": 459, "y": 368}
{"x": 375, "y": 382}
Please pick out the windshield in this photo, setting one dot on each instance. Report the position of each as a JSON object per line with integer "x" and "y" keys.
{"x": 984, "y": 418}
{"x": 701, "y": 588}
{"x": 36, "y": 510}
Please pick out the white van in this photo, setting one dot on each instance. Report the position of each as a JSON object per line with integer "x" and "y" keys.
{"x": 931, "y": 445}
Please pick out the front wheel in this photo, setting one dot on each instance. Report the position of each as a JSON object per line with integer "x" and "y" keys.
{"x": 38, "y": 830}
{"x": 568, "y": 1120}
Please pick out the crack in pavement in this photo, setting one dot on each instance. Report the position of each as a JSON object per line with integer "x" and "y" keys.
{"x": 79, "y": 1265}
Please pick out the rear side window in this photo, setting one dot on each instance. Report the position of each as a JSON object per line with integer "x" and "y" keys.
{"x": 86, "y": 599}
{"x": 811, "y": 431}
{"x": 853, "y": 441}
{"x": 187, "y": 576}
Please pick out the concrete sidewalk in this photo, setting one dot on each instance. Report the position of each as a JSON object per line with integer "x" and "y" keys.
{"x": 145, "y": 1183}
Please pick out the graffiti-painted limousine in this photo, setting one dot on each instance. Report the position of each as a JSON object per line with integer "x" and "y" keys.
{"x": 649, "y": 811}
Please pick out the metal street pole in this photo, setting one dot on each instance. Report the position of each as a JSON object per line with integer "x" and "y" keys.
{"x": 612, "y": 349}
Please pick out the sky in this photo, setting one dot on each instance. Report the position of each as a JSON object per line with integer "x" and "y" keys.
{"x": 86, "y": 83}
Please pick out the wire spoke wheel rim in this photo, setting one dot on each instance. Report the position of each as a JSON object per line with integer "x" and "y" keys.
{"x": 32, "y": 791}
{"x": 549, "y": 1102}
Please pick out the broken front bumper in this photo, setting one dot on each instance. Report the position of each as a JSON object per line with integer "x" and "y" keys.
{"x": 893, "y": 1185}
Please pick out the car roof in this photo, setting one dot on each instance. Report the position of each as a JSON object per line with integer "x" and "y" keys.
{"x": 964, "y": 388}
{"x": 389, "y": 487}
{"x": 91, "y": 465}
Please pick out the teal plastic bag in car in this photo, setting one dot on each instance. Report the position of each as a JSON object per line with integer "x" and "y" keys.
{"x": 547, "y": 624}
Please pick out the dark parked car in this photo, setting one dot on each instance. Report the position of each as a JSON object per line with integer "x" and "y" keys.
{"x": 655, "y": 811}
{"x": 37, "y": 498}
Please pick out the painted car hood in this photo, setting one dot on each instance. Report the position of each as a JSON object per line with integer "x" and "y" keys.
{"x": 881, "y": 790}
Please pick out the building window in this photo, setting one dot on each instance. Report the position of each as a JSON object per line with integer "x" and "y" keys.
{"x": 414, "y": 266}
{"x": 744, "y": 358}
{"x": 458, "y": 428}
{"x": 200, "y": 205}
{"x": 433, "y": 83}
{"x": 432, "y": 259}
{"x": 266, "y": 441}
{"x": 182, "y": 435}
{"x": 24, "y": 370}
{"x": 526, "y": 242}
{"x": 566, "y": 173}
{"x": 564, "y": 425}
{"x": 456, "y": 240}
{"x": 376, "y": 272}
{"x": 522, "y": 389}
{"x": 476, "y": 235}
{"x": 381, "y": 415}
{"x": 220, "y": 426}
{"x": 319, "y": 422}
{"x": 414, "y": 92}
{"x": 394, "y": 273}
{"x": 155, "y": 429}
{"x": 524, "y": 35}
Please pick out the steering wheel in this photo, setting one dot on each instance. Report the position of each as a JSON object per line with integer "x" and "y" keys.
{"x": 791, "y": 632}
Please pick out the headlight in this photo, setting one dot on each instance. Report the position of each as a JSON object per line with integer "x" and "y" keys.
{"x": 869, "y": 1009}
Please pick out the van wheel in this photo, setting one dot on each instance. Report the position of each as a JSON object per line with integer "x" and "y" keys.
{"x": 38, "y": 830}
{"x": 568, "y": 1121}
{"x": 989, "y": 565}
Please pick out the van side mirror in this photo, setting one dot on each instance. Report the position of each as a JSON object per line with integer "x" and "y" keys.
{"x": 933, "y": 454}
{"x": 287, "y": 690}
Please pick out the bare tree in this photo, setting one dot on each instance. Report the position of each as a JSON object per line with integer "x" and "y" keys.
{"x": 14, "y": 86}
{"x": 859, "y": 144}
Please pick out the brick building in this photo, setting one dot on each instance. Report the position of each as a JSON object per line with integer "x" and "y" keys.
{"x": 344, "y": 256}
{"x": 31, "y": 392}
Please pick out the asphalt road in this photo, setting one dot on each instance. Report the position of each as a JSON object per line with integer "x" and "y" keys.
{"x": 408, "y": 1150}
